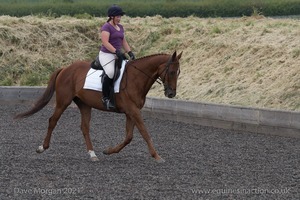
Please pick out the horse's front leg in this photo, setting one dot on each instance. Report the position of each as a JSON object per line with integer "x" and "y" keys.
{"x": 142, "y": 129}
{"x": 127, "y": 140}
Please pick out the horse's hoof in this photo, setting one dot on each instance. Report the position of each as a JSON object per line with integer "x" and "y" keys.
{"x": 40, "y": 149}
{"x": 160, "y": 160}
{"x": 94, "y": 159}
{"x": 93, "y": 156}
{"x": 105, "y": 152}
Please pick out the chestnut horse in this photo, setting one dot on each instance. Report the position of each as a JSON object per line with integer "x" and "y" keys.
{"x": 139, "y": 76}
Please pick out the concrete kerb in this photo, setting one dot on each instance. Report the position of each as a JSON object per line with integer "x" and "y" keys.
{"x": 17, "y": 94}
{"x": 267, "y": 121}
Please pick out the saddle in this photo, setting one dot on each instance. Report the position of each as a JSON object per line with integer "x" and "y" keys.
{"x": 97, "y": 66}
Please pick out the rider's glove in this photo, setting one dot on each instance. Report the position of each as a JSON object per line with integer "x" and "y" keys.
{"x": 119, "y": 54}
{"x": 131, "y": 55}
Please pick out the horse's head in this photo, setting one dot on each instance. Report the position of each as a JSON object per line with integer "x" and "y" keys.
{"x": 169, "y": 75}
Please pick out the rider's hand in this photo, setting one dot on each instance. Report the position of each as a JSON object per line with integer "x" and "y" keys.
{"x": 131, "y": 55}
{"x": 119, "y": 54}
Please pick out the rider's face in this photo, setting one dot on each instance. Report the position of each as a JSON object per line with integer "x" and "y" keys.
{"x": 117, "y": 19}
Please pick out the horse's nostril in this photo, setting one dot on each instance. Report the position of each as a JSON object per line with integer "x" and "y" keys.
{"x": 171, "y": 94}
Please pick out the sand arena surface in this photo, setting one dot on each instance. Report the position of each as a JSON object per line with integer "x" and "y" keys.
{"x": 201, "y": 162}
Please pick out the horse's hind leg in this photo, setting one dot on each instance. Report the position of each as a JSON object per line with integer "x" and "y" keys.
{"x": 127, "y": 140}
{"x": 59, "y": 109}
{"x": 63, "y": 100}
{"x": 85, "y": 111}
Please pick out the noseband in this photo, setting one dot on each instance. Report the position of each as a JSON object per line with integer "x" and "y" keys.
{"x": 166, "y": 70}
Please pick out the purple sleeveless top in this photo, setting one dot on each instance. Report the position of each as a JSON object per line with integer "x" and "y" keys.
{"x": 115, "y": 38}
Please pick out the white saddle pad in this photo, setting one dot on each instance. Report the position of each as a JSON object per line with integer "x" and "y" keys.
{"x": 93, "y": 79}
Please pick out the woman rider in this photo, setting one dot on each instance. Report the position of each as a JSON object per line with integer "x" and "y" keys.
{"x": 113, "y": 40}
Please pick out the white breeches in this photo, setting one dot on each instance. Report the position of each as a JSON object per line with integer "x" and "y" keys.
{"x": 107, "y": 60}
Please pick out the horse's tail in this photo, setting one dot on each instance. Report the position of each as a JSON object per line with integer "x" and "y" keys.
{"x": 44, "y": 99}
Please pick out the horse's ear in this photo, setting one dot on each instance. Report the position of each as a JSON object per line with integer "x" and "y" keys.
{"x": 179, "y": 56}
{"x": 174, "y": 56}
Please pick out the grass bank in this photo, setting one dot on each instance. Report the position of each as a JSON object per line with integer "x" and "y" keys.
{"x": 250, "y": 61}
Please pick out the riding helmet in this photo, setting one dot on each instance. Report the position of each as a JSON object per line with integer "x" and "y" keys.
{"x": 115, "y": 10}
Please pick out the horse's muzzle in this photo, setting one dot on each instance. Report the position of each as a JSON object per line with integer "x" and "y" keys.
{"x": 169, "y": 92}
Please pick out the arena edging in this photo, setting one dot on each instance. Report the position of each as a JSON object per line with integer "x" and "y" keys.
{"x": 267, "y": 121}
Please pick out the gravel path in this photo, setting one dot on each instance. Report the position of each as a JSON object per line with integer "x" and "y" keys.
{"x": 201, "y": 162}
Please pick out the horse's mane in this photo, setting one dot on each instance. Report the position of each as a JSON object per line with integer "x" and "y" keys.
{"x": 148, "y": 56}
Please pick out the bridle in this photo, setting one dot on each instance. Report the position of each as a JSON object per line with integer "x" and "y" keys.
{"x": 166, "y": 70}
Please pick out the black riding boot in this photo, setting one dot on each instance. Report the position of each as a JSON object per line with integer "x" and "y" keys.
{"x": 107, "y": 84}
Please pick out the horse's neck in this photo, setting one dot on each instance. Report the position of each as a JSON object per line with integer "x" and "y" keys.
{"x": 150, "y": 68}
{"x": 143, "y": 74}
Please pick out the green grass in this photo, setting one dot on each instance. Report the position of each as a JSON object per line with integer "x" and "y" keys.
{"x": 165, "y": 8}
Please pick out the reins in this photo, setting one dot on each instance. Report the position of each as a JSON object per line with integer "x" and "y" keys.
{"x": 147, "y": 75}
{"x": 159, "y": 79}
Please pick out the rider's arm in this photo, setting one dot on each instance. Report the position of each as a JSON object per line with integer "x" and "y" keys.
{"x": 105, "y": 41}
